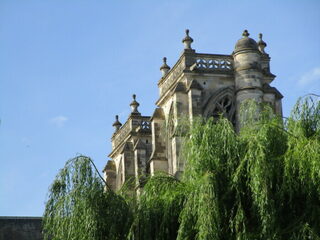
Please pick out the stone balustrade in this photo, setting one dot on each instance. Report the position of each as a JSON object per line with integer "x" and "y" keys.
{"x": 145, "y": 125}
{"x": 201, "y": 61}
{"x": 172, "y": 75}
{"x": 214, "y": 62}
{"x": 120, "y": 136}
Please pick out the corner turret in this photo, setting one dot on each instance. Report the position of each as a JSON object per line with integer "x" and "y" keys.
{"x": 247, "y": 73}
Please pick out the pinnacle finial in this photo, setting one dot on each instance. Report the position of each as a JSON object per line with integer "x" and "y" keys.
{"x": 245, "y": 33}
{"x": 261, "y": 44}
{"x": 164, "y": 68}
{"x": 134, "y": 105}
{"x": 187, "y": 40}
{"x": 117, "y": 124}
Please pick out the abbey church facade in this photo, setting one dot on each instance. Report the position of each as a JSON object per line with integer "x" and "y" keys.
{"x": 199, "y": 84}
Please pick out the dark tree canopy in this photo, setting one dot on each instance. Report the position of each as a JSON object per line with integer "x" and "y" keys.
{"x": 262, "y": 183}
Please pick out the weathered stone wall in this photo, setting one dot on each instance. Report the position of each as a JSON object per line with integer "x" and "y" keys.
{"x": 20, "y": 228}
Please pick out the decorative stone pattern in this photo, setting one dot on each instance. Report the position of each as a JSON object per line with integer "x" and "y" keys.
{"x": 145, "y": 125}
{"x": 214, "y": 62}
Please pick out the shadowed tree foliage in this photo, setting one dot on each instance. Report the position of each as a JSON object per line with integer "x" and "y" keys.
{"x": 262, "y": 183}
{"x": 158, "y": 208}
{"x": 78, "y": 206}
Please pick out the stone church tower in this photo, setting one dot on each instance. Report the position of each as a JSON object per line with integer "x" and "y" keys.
{"x": 199, "y": 84}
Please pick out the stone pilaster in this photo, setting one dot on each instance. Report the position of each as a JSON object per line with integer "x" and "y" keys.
{"x": 140, "y": 161}
{"x": 194, "y": 99}
{"x": 158, "y": 160}
{"x": 110, "y": 174}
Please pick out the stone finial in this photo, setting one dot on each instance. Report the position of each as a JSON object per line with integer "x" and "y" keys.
{"x": 117, "y": 124}
{"x": 134, "y": 105}
{"x": 164, "y": 68}
{"x": 261, "y": 44}
{"x": 245, "y": 33}
{"x": 187, "y": 40}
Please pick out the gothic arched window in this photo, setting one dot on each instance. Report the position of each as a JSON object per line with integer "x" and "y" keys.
{"x": 221, "y": 103}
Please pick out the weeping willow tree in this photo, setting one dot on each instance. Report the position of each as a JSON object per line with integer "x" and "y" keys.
{"x": 78, "y": 206}
{"x": 262, "y": 183}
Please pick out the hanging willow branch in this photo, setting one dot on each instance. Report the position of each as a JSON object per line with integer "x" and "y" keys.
{"x": 79, "y": 208}
{"x": 262, "y": 183}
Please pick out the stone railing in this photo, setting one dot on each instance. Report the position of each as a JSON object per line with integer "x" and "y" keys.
{"x": 145, "y": 124}
{"x": 120, "y": 136}
{"x": 170, "y": 78}
{"x": 122, "y": 133}
{"x": 213, "y": 62}
{"x": 201, "y": 61}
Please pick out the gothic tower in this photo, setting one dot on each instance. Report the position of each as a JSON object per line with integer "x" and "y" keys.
{"x": 199, "y": 84}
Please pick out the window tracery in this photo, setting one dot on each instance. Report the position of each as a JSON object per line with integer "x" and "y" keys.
{"x": 221, "y": 104}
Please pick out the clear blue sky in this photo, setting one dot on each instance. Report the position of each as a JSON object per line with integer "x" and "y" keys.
{"x": 67, "y": 67}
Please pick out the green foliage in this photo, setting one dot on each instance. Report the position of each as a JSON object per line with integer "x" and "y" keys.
{"x": 207, "y": 175}
{"x": 78, "y": 207}
{"x": 262, "y": 183}
{"x": 302, "y": 171}
{"x": 158, "y": 208}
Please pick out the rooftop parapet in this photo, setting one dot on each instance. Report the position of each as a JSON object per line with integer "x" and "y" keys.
{"x": 131, "y": 126}
{"x": 200, "y": 62}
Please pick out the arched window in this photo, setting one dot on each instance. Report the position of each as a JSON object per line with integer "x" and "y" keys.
{"x": 221, "y": 103}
